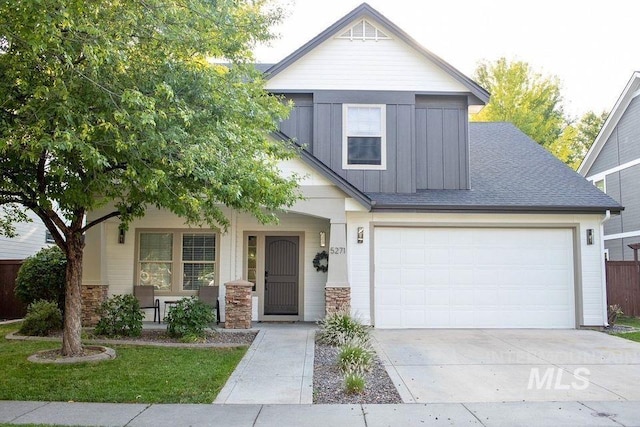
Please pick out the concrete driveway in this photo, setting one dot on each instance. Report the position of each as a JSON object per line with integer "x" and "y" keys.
{"x": 509, "y": 365}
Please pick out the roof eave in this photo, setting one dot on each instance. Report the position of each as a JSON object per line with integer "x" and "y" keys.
{"x": 327, "y": 172}
{"x": 379, "y": 207}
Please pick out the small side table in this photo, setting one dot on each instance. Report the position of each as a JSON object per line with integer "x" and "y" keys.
{"x": 166, "y": 303}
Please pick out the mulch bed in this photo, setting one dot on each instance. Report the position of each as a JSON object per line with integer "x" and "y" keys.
{"x": 328, "y": 381}
{"x": 160, "y": 337}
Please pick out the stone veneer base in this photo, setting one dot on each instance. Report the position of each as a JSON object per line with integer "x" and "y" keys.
{"x": 337, "y": 299}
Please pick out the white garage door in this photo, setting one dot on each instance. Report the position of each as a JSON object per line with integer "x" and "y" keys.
{"x": 473, "y": 278}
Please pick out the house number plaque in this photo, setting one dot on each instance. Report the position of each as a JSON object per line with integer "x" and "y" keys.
{"x": 337, "y": 250}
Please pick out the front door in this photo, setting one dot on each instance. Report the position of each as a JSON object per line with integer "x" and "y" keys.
{"x": 281, "y": 275}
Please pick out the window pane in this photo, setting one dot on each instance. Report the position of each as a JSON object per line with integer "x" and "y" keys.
{"x": 600, "y": 185}
{"x": 364, "y": 151}
{"x": 364, "y": 121}
{"x": 196, "y": 275}
{"x": 156, "y": 274}
{"x": 369, "y": 30}
{"x": 156, "y": 246}
{"x": 198, "y": 247}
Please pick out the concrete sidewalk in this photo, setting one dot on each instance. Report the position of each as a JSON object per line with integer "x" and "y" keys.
{"x": 619, "y": 413}
{"x": 277, "y": 369}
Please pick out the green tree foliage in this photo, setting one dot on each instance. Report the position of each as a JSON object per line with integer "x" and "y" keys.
{"x": 576, "y": 138}
{"x": 523, "y": 97}
{"x": 117, "y": 103}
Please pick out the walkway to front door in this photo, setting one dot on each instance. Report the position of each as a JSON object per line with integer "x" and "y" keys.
{"x": 278, "y": 367}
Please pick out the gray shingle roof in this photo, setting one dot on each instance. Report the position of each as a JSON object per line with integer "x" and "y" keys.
{"x": 509, "y": 172}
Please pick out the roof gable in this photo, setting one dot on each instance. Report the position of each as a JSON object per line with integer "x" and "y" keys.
{"x": 628, "y": 94}
{"x": 345, "y": 48}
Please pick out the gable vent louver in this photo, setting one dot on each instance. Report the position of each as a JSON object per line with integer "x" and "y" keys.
{"x": 364, "y": 30}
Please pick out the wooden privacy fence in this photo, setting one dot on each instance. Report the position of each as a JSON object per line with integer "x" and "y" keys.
{"x": 10, "y": 306}
{"x": 623, "y": 286}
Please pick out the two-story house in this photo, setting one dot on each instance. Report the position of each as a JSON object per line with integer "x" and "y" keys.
{"x": 613, "y": 165}
{"x": 428, "y": 220}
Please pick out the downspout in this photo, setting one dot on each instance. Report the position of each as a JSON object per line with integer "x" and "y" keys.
{"x": 606, "y": 218}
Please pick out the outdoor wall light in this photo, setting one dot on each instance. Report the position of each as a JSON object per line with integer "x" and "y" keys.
{"x": 323, "y": 239}
{"x": 589, "y": 236}
{"x": 121, "y": 236}
{"x": 360, "y": 234}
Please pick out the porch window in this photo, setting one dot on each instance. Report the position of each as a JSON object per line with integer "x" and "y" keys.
{"x": 252, "y": 259}
{"x": 363, "y": 137}
{"x": 176, "y": 262}
{"x": 198, "y": 261}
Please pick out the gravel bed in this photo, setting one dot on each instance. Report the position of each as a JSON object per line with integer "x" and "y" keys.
{"x": 328, "y": 382}
{"x": 617, "y": 329}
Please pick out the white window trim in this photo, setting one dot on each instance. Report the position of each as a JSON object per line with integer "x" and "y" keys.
{"x": 383, "y": 138}
{"x": 624, "y": 235}
{"x": 603, "y": 174}
{"x": 176, "y": 279}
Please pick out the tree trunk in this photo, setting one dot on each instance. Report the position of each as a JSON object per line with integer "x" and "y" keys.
{"x": 71, "y": 337}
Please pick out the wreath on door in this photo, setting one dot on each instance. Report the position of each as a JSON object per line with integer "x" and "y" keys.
{"x": 321, "y": 261}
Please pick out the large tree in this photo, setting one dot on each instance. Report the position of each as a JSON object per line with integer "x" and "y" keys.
{"x": 119, "y": 103}
{"x": 576, "y": 138}
{"x": 519, "y": 95}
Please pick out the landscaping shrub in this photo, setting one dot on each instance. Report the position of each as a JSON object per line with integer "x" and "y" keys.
{"x": 188, "y": 319}
{"x": 42, "y": 277}
{"x": 355, "y": 356}
{"x": 42, "y": 318}
{"x": 354, "y": 383}
{"x": 120, "y": 316}
{"x": 339, "y": 328}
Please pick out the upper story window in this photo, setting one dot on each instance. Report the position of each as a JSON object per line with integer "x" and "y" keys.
{"x": 176, "y": 262}
{"x": 363, "y": 30}
{"x": 600, "y": 185}
{"x": 364, "y": 136}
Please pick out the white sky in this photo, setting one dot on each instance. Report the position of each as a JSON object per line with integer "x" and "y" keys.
{"x": 591, "y": 45}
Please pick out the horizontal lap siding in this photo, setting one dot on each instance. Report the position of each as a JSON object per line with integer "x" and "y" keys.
{"x": 338, "y": 64}
{"x": 623, "y": 146}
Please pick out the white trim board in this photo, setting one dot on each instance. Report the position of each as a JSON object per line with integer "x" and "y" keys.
{"x": 622, "y": 235}
{"x": 602, "y": 175}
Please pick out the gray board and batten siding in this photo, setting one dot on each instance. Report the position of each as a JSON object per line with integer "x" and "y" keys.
{"x": 622, "y": 146}
{"x": 426, "y": 137}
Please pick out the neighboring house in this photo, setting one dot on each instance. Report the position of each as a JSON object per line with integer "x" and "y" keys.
{"x": 613, "y": 165}
{"x": 429, "y": 220}
{"x": 31, "y": 237}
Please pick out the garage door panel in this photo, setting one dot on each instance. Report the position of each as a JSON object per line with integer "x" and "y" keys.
{"x": 467, "y": 277}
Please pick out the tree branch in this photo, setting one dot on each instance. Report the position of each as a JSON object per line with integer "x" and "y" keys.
{"x": 99, "y": 220}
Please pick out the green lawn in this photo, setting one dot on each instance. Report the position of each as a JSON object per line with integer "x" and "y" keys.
{"x": 138, "y": 374}
{"x": 628, "y": 321}
{"x": 633, "y": 336}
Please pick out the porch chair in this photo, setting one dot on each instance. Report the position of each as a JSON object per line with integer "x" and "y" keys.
{"x": 146, "y": 297}
{"x": 209, "y": 295}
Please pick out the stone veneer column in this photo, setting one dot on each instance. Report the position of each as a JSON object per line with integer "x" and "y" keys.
{"x": 238, "y": 305}
{"x": 92, "y": 297}
{"x": 337, "y": 290}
